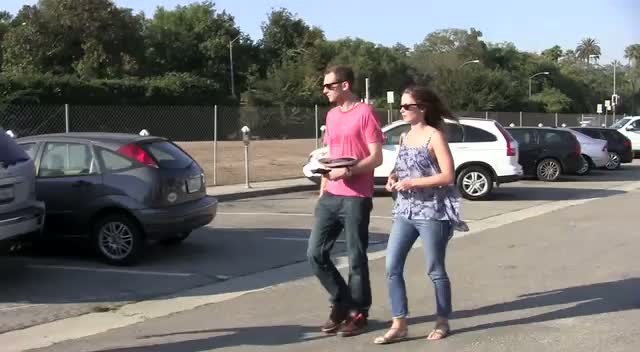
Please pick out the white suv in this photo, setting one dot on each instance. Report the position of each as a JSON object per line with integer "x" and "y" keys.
{"x": 630, "y": 127}
{"x": 21, "y": 214}
{"x": 484, "y": 154}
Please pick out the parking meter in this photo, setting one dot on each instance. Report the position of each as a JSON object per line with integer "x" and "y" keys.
{"x": 246, "y": 134}
{"x": 323, "y": 129}
{"x": 246, "y": 137}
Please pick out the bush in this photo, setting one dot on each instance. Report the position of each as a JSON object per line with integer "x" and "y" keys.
{"x": 170, "y": 89}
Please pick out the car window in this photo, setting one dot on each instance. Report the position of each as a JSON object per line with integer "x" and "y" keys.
{"x": 11, "y": 153}
{"x": 66, "y": 159}
{"x": 474, "y": 134}
{"x": 454, "y": 132}
{"x": 593, "y": 133}
{"x": 557, "y": 138}
{"x": 113, "y": 161}
{"x": 167, "y": 155}
{"x": 620, "y": 123}
{"x": 636, "y": 124}
{"x": 392, "y": 136}
{"x": 523, "y": 136}
{"x": 614, "y": 136}
{"x": 29, "y": 148}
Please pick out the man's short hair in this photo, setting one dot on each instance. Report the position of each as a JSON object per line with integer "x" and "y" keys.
{"x": 343, "y": 73}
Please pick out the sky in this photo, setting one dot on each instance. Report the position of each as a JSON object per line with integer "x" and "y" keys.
{"x": 531, "y": 25}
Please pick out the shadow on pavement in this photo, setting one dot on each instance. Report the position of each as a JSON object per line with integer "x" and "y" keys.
{"x": 213, "y": 261}
{"x": 593, "y": 299}
{"x": 601, "y": 298}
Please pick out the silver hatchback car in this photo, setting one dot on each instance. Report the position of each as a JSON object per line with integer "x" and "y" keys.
{"x": 21, "y": 214}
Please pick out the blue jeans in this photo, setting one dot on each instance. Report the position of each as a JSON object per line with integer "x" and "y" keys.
{"x": 435, "y": 235}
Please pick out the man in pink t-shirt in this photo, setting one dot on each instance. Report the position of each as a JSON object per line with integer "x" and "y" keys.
{"x": 345, "y": 203}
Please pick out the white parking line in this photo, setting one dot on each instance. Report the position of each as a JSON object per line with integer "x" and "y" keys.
{"x": 301, "y": 239}
{"x": 22, "y": 306}
{"x": 289, "y": 214}
{"x": 103, "y": 270}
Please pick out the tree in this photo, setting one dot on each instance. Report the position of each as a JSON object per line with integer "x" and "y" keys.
{"x": 553, "y": 54}
{"x": 632, "y": 52}
{"x": 195, "y": 39}
{"x": 588, "y": 47}
{"x": 5, "y": 20}
{"x": 93, "y": 38}
{"x": 284, "y": 35}
{"x": 553, "y": 100}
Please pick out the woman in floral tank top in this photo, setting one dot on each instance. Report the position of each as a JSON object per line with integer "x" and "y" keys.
{"x": 427, "y": 206}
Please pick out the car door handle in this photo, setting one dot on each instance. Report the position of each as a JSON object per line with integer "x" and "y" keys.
{"x": 78, "y": 184}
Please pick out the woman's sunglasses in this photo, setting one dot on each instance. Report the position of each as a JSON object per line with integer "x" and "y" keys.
{"x": 408, "y": 106}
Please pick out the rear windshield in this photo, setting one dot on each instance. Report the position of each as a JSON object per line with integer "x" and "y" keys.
{"x": 620, "y": 123}
{"x": 593, "y": 133}
{"x": 615, "y": 136}
{"x": 10, "y": 151}
{"x": 168, "y": 155}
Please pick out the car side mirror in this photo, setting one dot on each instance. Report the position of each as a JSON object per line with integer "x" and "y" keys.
{"x": 630, "y": 128}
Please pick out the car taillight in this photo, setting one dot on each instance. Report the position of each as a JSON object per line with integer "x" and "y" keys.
{"x": 511, "y": 151}
{"x": 604, "y": 147}
{"x": 135, "y": 152}
{"x": 627, "y": 143}
{"x": 578, "y": 148}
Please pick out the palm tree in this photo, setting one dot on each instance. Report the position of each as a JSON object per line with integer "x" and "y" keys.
{"x": 632, "y": 52}
{"x": 586, "y": 48}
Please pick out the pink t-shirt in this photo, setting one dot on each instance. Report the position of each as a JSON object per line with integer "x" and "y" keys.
{"x": 348, "y": 135}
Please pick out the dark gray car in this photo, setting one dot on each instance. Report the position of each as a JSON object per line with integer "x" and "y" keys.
{"x": 20, "y": 213}
{"x": 119, "y": 190}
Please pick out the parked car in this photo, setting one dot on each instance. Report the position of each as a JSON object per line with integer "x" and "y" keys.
{"x": 594, "y": 152}
{"x": 547, "y": 152}
{"x": 618, "y": 145}
{"x": 118, "y": 190}
{"x": 629, "y": 126}
{"x": 484, "y": 155}
{"x": 21, "y": 214}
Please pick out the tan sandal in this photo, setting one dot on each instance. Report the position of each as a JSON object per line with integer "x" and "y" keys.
{"x": 439, "y": 332}
{"x": 393, "y": 335}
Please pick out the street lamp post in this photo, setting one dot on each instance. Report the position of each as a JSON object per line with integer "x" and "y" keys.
{"x": 233, "y": 89}
{"x": 537, "y": 74}
{"x": 470, "y": 62}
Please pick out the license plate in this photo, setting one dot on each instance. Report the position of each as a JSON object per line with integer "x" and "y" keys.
{"x": 194, "y": 184}
{"x": 6, "y": 194}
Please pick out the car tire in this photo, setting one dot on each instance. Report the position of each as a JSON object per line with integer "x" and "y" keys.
{"x": 118, "y": 239}
{"x": 585, "y": 166}
{"x": 548, "y": 170}
{"x": 474, "y": 182}
{"x": 175, "y": 240}
{"x": 614, "y": 161}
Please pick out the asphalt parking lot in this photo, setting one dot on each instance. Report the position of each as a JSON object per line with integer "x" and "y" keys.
{"x": 248, "y": 236}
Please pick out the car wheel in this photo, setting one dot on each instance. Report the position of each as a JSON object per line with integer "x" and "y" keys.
{"x": 474, "y": 182}
{"x": 548, "y": 170}
{"x": 614, "y": 161}
{"x": 585, "y": 166}
{"x": 176, "y": 239}
{"x": 118, "y": 239}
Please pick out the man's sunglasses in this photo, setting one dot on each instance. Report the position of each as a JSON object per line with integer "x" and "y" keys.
{"x": 330, "y": 85}
{"x": 408, "y": 106}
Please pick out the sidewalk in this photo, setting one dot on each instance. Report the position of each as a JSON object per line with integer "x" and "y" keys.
{"x": 564, "y": 281}
{"x": 258, "y": 189}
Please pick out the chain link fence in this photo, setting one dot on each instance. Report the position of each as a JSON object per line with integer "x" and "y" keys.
{"x": 281, "y": 137}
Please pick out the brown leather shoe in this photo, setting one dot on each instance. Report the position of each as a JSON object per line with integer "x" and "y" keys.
{"x": 355, "y": 325}
{"x": 337, "y": 316}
